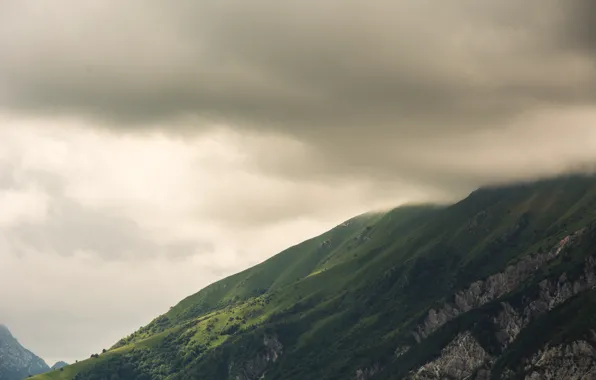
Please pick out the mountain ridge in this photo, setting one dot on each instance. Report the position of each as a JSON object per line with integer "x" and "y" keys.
{"x": 16, "y": 362}
{"x": 58, "y": 365}
{"x": 419, "y": 292}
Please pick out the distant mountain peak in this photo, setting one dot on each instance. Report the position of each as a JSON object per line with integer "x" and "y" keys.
{"x": 59, "y": 365}
{"x": 16, "y": 362}
{"x": 4, "y": 330}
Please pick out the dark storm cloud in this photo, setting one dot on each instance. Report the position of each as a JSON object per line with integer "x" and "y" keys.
{"x": 578, "y": 30}
{"x": 305, "y": 68}
{"x": 359, "y": 84}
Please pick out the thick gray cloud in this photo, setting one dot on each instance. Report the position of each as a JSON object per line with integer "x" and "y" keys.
{"x": 579, "y": 29}
{"x": 358, "y": 84}
{"x": 311, "y": 68}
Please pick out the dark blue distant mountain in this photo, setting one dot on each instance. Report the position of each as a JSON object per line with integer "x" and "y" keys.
{"x": 16, "y": 362}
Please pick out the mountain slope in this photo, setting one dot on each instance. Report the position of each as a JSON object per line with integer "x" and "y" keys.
{"x": 498, "y": 285}
{"x": 59, "y": 365}
{"x": 16, "y": 362}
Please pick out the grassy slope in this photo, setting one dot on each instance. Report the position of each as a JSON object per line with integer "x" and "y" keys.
{"x": 348, "y": 297}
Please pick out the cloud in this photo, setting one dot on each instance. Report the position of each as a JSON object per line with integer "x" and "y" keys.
{"x": 577, "y": 29}
{"x": 344, "y": 88}
{"x": 70, "y": 229}
{"x": 400, "y": 67}
{"x": 21, "y": 206}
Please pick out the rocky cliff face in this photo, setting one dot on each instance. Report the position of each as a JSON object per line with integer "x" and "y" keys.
{"x": 465, "y": 358}
{"x": 16, "y": 362}
{"x": 574, "y": 361}
{"x": 457, "y": 361}
{"x": 481, "y": 292}
{"x": 367, "y": 373}
{"x": 255, "y": 368}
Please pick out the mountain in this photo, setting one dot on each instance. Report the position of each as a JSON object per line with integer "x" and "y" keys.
{"x": 59, "y": 365}
{"x": 501, "y": 285}
{"x": 16, "y": 362}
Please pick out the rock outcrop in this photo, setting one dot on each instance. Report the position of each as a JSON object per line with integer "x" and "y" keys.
{"x": 465, "y": 358}
{"x": 367, "y": 373}
{"x": 481, "y": 292}
{"x": 574, "y": 361}
{"x": 458, "y": 360}
{"x": 255, "y": 368}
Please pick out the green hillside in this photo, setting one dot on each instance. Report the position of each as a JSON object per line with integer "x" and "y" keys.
{"x": 391, "y": 295}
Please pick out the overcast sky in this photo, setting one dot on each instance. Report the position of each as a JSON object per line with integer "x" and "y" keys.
{"x": 150, "y": 147}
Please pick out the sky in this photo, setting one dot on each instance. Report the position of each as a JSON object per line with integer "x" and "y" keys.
{"x": 149, "y": 147}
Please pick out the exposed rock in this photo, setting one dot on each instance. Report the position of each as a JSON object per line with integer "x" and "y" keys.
{"x": 464, "y": 355}
{"x": 367, "y": 373}
{"x": 255, "y": 368}
{"x": 552, "y": 293}
{"x": 481, "y": 292}
{"x": 555, "y": 292}
{"x": 482, "y": 374}
{"x": 459, "y": 360}
{"x": 571, "y": 362}
{"x": 510, "y": 324}
{"x": 402, "y": 350}
{"x": 274, "y": 348}
{"x": 464, "y": 358}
